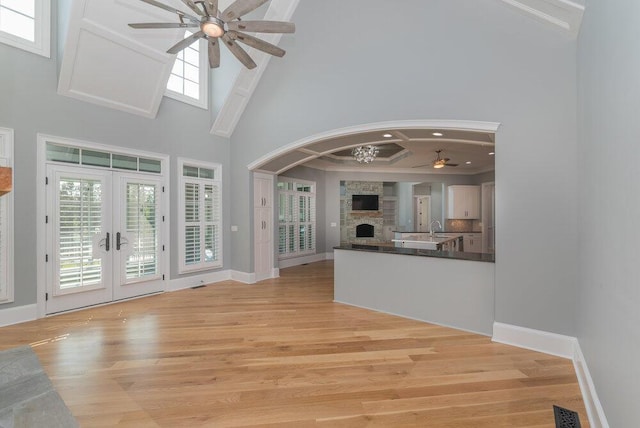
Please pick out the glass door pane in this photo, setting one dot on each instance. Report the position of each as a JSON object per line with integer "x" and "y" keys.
{"x": 78, "y": 238}
{"x": 137, "y": 235}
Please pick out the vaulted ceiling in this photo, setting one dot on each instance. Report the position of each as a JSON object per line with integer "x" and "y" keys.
{"x": 108, "y": 63}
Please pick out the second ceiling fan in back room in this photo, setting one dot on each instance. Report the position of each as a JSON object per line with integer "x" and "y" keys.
{"x": 225, "y": 26}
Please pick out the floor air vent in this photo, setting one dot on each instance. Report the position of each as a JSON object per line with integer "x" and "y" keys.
{"x": 566, "y": 418}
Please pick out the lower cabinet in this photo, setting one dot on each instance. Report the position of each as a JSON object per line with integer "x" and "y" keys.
{"x": 472, "y": 242}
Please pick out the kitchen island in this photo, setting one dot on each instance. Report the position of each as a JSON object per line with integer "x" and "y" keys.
{"x": 450, "y": 288}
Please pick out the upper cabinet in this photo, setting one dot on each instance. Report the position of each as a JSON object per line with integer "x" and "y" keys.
{"x": 262, "y": 190}
{"x": 464, "y": 202}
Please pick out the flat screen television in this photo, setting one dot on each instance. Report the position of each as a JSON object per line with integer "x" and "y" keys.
{"x": 364, "y": 202}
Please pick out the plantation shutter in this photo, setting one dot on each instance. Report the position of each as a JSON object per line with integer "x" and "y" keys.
{"x": 297, "y": 217}
{"x": 79, "y": 221}
{"x": 141, "y": 230}
{"x": 202, "y": 218}
{"x": 192, "y": 223}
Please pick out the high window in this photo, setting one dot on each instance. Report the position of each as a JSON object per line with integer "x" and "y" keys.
{"x": 25, "y": 24}
{"x": 296, "y": 217}
{"x": 6, "y": 223}
{"x": 200, "y": 215}
{"x": 189, "y": 75}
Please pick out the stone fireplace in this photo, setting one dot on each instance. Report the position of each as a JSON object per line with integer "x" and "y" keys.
{"x": 363, "y": 226}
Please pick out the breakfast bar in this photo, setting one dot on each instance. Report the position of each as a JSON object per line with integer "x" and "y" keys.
{"x": 450, "y": 288}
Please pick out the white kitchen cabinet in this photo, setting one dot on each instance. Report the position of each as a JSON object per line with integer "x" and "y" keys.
{"x": 472, "y": 242}
{"x": 262, "y": 191}
{"x": 263, "y": 226}
{"x": 464, "y": 202}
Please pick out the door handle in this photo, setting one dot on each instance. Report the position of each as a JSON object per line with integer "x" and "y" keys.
{"x": 118, "y": 241}
{"x": 106, "y": 242}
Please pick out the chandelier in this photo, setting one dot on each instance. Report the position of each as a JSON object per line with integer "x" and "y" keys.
{"x": 365, "y": 154}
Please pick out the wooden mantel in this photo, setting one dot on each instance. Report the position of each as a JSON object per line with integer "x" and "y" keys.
{"x": 5, "y": 180}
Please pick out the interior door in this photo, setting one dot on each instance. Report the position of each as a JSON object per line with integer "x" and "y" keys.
{"x": 422, "y": 213}
{"x": 103, "y": 237}
{"x": 80, "y": 265}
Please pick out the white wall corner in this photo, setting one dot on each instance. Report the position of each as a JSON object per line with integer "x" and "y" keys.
{"x": 18, "y": 314}
{"x": 561, "y": 346}
{"x": 244, "y": 277}
{"x": 196, "y": 280}
{"x": 595, "y": 412}
{"x": 536, "y": 340}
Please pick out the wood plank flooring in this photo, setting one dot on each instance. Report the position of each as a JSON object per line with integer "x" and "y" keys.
{"x": 280, "y": 353}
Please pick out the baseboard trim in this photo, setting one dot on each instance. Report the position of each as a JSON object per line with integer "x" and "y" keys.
{"x": 18, "y": 314}
{"x": 560, "y": 346}
{"x": 597, "y": 418}
{"x": 196, "y": 280}
{"x": 536, "y": 340}
{"x": 244, "y": 277}
{"x": 297, "y": 261}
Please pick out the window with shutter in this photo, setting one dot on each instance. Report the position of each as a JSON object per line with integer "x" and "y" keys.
{"x": 297, "y": 218}
{"x": 201, "y": 219}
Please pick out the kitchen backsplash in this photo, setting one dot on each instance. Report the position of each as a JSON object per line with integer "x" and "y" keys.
{"x": 463, "y": 226}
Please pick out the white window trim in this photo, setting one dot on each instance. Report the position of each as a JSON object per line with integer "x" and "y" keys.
{"x": 6, "y": 154}
{"x": 298, "y": 252}
{"x": 42, "y": 44}
{"x": 202, "y": 266}
{"x": 203, "y": 69}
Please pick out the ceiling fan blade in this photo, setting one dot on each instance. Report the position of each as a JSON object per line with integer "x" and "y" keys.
{"x": 262, "y": 26}
{"x": 162, "y": 25}
{"x": 171, "y": 9}
{"x": 239, "y": 53}
{"x": 451, "y": 164}
{"x": 185, "y": 42}
{"x": 191, "y": 5}
{"x": 256, "y": 43}
{"x": 213, "y": 8}
{"x": 240, "y": 8}
{"x": 214, "y": 53}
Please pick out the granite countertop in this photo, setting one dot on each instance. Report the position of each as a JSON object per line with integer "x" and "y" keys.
{"x": 453, "y": 255}
{"x": 439, "y": 232}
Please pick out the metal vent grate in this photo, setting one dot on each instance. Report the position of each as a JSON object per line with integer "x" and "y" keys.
{"x": 566, "y": 418}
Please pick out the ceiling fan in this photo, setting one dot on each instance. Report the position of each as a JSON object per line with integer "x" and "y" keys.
{"x": 227, "y": 26}
{"x": 439, "y": 162}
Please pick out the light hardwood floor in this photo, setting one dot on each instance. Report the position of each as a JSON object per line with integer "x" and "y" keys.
{"x": 280, "y": 353}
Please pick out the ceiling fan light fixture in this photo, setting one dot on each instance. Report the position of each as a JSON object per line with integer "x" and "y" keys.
{"x": 439, "y": 164}
{"x": 213, "y": 27}
{"x": 437, "y": 134}
{"x": 365, "y": 154}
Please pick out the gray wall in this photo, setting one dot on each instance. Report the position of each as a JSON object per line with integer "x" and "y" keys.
{"x": 474, "y": 60}
{"x": 608, "y": 315}
{"x": 29, "y": 105}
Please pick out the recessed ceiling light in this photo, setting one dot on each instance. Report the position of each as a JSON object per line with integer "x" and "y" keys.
{"x": 491, "y": 153}
{"x": 437, "y": 134}
{"x": 387, "y": 135}
{"x": 468, "y": 162}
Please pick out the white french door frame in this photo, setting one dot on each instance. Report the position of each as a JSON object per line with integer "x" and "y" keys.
{"x": 41, "y": 204}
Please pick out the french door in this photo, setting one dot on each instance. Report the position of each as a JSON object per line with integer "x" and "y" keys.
{"x": 104, "y": 238}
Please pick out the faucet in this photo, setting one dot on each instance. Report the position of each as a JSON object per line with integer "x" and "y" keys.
{"x": 431, "y": 226}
